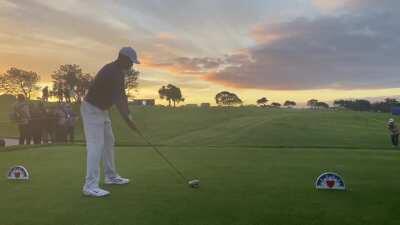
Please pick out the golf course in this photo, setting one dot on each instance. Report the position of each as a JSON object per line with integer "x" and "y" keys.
{"x": 256, "y": 166}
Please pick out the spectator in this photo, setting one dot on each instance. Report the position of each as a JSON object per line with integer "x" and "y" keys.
{"x": 67, "y": 95}
{"x": 22, "y": 117}
{"x": 60, "y": 93}
{"x": 36, "y": 124}
{"x": 61, "y": 119}
{"x": 49, "y": 125}
{"x": 45, "y": 94}
{"x": 394, "y": 132}
{"x": 70, "y": 122}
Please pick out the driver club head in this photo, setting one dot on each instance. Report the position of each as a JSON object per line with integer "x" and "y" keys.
{"x": 194, "y": 183}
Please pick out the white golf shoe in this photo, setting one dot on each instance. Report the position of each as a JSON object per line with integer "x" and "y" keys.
{"x": 95, "y": 192}
{"x": 116, "y": 180}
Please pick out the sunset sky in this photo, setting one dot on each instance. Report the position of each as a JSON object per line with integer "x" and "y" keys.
{"x": 283, "y": 50}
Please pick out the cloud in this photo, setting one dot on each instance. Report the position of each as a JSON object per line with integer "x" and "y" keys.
{"x": 185, "y": 65}
{"x": 5, "y": 5}
{"x": 356, "y": 48}
{"x": 356, "y": 5}
{"x": 329, "y": 5}
{"x": 329, "y": 52}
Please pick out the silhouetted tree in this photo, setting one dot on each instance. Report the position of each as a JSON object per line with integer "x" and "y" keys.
{"x": 227, "y": 98}
{"x": 391, "y": 101}
{"x": 386, "y": 105}
{"x": 58, "y": 90}
{"x": 83, "y": 86}
{"x": 67, "y": 94}
{"x": 70, "y": 82}
{"x": 289, "y": 104}
{"x": 357, "y": 105}
{"x": 17, "y": 81}
{"x": 131, "y": 82}
{"x": 340, "y": 103}
{"x": 276, "y": 105}
{"x": 312, "y": 103}
{"x": 262, "y": 101}
{"x": 323, "y": 105}
{"x": 171, "y": 93}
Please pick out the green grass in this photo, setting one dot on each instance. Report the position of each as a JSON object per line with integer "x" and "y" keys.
{"x": 239, "y": 186}
{"x": 244, "y": 126}
{"x": 256, "y": 166}
{"x": 256, "y": 127}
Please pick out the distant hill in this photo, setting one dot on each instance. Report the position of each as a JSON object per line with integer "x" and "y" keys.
{"x": 242, "y": 126}
{"x": 249, "y": 126}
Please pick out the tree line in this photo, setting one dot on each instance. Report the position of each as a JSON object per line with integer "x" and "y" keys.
{"x": 364, "y": 105}
{"x": 69, "y": 83}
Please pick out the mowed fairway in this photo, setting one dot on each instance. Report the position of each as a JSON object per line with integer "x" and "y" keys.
{"x": 255, "y": 167}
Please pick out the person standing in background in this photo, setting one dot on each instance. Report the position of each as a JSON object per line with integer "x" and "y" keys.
{"x": 49, "y": 125}
{"x": 70, "y": 122}
{"x": 394, "y": 132}
{"x": 36, "y": 124}
{"x": 45, "y": 94}
{"x": 22, "y": 117}
{"x": 61, "y": 117}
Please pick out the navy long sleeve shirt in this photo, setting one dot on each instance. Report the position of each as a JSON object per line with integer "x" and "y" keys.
{"x": 108, "y": 87}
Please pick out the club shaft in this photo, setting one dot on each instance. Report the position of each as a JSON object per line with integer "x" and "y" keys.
{"x": 162, "y": 156}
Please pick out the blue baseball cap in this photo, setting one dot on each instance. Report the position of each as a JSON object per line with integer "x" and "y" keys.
{"x": 130, "y": 53}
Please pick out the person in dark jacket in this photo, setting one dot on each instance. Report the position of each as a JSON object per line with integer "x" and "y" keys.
{"x": 70, "y": 122}
{"x": 107, "y": 89}
{"x": 2, "y": 143}
{"x": 36, "y": 124}
{"x": 49, "y": 125}
{"x": 22, "y": 116}
{"x": 45, "y": 94}
{"x": 61, "y": 129}
{"x": 394, "y": 132}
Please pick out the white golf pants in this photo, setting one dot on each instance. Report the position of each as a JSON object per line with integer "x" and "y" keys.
{"x": 99, "y": 143}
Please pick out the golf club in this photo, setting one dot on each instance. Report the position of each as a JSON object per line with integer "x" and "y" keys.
{"x": 192, "y": 183}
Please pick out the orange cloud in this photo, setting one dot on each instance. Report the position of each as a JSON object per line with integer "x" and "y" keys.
{"x": 166, "y": 37}
{"x": 332, "y": 5}
{"x": 261, "y": 35}
{"x": 183, "y": 65}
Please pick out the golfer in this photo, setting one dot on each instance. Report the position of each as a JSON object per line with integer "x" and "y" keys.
{"x": 394, "y": 132}
{"x": 107, "y": 89}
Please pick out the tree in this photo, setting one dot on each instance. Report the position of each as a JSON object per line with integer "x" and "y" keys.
{"x": 70, "y": 82}
{"x": 171, "y": 93}
{"x": 58, "y": 90}
{"x": 17, "y": 81}
{"x": 289, "y": 104}
{"x": 83, "y": 86}
{"x": 276, "y": 105}
{"x": 312, "y": 103}
{"x": 227, "y": 98}
{"x": 340, "y": 103}
{"x": 358, "y": 104}
{"x": 391, "y": 101}
{"x": 262, "y": 101}
{"x": 131, "y": 81}
{"x": 385, "y": 106}
{"x": 322, "y": 105}
{"x": 362, "y": 105}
